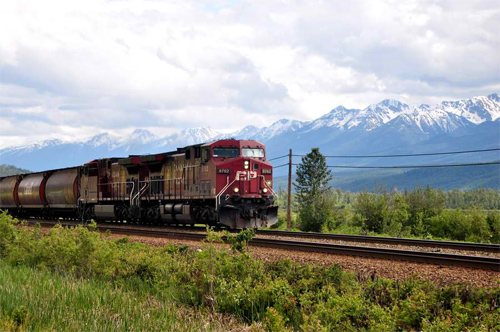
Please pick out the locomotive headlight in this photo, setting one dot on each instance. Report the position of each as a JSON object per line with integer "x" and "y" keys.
{"x": 236, "y": 190}
{"x": 264, "y": 190}
{"x": 246, "y": 164}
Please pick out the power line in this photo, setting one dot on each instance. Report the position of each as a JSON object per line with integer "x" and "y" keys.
{"x": 278, "y": 157}
{"x": 283, "y": 165}
{"x": 403, "y": 155}
{"x": 412, "y": 166}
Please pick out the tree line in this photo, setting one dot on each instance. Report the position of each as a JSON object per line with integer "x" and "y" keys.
{"x": 423, "y": 212}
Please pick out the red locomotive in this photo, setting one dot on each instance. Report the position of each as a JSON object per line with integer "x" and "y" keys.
{"x": 226, "y": 182}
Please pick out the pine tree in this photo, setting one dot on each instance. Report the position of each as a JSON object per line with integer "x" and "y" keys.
{"x": 312, "y": 189}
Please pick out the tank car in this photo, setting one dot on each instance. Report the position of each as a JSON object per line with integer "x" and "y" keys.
{"x": 225, "y": 182}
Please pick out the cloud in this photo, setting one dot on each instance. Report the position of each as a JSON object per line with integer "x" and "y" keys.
{"x": 73, "y": 69}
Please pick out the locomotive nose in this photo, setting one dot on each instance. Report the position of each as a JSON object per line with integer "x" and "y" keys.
{"x": 247, "y": 179}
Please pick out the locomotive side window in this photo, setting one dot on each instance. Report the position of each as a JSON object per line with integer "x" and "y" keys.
{"x": 204, "y": 155}
{"x": 253, "y": 152}
{"x": 226, "y": 152}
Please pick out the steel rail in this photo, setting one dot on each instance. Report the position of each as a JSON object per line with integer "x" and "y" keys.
{"x": 486, "y": 263}
{"x": 388, "y": 240}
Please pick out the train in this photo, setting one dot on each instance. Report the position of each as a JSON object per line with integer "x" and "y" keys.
{"x": 225, "y": 183}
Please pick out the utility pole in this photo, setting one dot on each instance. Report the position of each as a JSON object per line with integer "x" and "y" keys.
{"x": 289, "y": 201}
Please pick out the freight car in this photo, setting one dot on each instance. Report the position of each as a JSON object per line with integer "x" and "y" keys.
{"x": 225, "y": 182}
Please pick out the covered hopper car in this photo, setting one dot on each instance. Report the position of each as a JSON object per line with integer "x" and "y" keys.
{"x": 226, "y": 182}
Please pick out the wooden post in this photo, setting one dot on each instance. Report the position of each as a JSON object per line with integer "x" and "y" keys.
{"x": 289, "y": 201}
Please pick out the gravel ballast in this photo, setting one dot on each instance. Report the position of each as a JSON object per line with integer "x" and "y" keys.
{"x": 363, "y": 267}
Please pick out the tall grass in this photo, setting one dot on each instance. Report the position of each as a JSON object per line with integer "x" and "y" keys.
{"x": 34, "y": 299}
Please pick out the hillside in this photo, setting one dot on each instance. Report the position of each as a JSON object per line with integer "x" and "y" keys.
{"x": 6, "y": 170}
{"x": 465, "y": 178}
{"x": 388, "y": 127}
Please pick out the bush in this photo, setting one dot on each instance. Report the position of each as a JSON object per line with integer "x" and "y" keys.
{"x": 371, "y": 210}
{"x": 314, "y": 217}
{"x": 419, "y": 213}
{"x": 459, "y": 225}
{"x": 493, "y": 220}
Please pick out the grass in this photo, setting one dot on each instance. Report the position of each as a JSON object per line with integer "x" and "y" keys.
{"x": 33, "y": 299}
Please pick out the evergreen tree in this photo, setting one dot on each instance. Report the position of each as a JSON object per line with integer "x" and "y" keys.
{"x": 313, "y": 192}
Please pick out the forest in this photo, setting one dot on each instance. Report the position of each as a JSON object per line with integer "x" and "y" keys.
{"x": 421, "y": 212}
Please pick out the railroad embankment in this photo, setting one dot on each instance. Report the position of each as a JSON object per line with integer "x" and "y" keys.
{"x": 272, "y": 295}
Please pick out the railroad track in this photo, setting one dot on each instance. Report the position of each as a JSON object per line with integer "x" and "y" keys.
{"x": 388, "y": 240}
{"x": 486, "y": 263}
{"x": 469, "y": 246}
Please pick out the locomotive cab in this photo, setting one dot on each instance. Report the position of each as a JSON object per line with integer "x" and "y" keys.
{"x": 245, "y": 197}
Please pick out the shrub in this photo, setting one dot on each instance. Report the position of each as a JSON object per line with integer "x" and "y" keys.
{"x": 239, "y": 241}
{"x": 493, "y": 220}
{"x": 463, "y": 226}
{"x": 371, "y": 210}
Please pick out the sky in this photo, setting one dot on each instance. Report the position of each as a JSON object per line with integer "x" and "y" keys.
{"x": 74, "y": 69}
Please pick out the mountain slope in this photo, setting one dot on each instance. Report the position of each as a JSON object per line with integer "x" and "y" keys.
{"x": 463, "y": 178}
{"x": 388, "y": 127}
{"x": 6, "y": 170}
{"x": 57, "y": 154}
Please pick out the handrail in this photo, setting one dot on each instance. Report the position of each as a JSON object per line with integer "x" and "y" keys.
{"x": 272, "y": 191}
{"x": 217, "y": 197}
{"x": 131, "y": 191}
{"x": 139, "y": 194}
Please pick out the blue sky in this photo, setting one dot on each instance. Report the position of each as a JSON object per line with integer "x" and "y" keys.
{"x": 73, "y": 69}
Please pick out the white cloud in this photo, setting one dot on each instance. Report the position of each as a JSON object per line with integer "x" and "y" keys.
{"x": 77, "y": 68}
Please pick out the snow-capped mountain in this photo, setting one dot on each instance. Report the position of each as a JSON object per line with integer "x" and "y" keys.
{"x": 388, "y": 126}
{"x": 198, "y": 135}
{"x": 264, "y": 134}
{"x": 57, "y": 153}
{"x": 433, "y": 121}
{"x": 105, "y": 139}
{"x": 141, "y": 136}
{"x": 476, "y": 109}
{"x": 445, "y": 117}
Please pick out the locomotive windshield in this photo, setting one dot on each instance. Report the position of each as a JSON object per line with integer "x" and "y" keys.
{"x": 226, "y": 152}
{"x": 253, "y": 152}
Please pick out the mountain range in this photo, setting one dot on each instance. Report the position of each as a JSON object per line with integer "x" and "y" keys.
{"x": 388, "y": 127}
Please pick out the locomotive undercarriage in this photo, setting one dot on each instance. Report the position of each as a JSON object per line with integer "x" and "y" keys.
{"x": 239, "y": 212}
{"x": 43, "y": 213}
{"x": 233, "y": 212}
